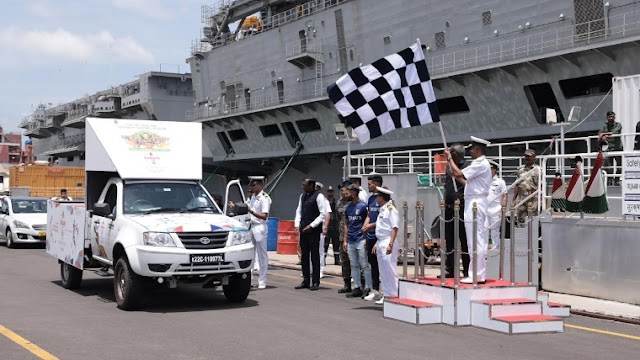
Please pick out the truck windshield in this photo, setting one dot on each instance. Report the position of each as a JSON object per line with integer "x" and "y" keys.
{"x": 27, "y": 206}
{"x": 142, "y": 198}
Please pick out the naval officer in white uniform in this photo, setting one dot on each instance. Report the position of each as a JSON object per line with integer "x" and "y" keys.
{"x": 259, "y": 205}
{"x": 386, "y": 248}
{"x": 477, "y": 179}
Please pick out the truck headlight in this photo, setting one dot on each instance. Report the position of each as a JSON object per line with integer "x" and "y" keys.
{"x": 20, "y": 224}
{"x": 158, "y": 239}
{"x": 241, "y": 237}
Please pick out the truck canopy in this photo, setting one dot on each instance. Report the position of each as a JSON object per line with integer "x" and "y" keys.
{"x": 144, "y": 149}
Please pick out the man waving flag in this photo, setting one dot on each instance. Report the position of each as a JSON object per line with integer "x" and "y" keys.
{"x": 391, "y": 93}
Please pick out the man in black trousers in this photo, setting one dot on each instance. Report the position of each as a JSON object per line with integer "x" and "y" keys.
{"x": 310, "y": 216}
{"x": 450, "y": 195}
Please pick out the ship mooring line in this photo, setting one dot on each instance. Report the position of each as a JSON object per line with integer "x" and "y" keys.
{"x": 33, "y": 348}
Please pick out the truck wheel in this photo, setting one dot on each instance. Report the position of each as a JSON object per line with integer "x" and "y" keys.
{"x": 238, "y": 288}
{"x": 127, "y": 285}
{"x": 9, "y": 237}
{"x": 71, "y": 276}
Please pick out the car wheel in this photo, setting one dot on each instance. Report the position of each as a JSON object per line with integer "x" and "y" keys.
{"x": 127, "y": 285}
{"x": 10, "y": 243}
{"x": 238, "y": 288}
{"x": 70, "y": 275}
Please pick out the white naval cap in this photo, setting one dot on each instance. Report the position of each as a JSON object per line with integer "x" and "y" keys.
{"x": 319, "y": 185}
{"x": 479, "y": 141}
{"x": 256, "y": 179}
{"x": 493, "y": 163}
{"x": 383, "y": 190}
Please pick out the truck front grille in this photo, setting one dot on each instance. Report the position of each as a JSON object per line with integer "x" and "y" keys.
{"x": 204, "y": 241}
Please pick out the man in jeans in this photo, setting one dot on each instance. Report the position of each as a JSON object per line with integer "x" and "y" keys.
{"x": 354, "y": 241}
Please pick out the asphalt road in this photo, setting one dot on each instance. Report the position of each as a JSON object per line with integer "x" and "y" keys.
{"x": 40, "y": 319}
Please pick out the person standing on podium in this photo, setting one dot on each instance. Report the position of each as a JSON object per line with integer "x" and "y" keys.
{"x": 477, "y": 179}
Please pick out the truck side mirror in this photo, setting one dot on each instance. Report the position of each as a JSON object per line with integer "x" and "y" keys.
{"x": 101, "y": 209}
{"x": 241, "y": 209}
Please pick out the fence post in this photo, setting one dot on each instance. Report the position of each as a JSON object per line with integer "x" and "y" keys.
{"x": 474, "y": 209}
{"x": 512, "y": 248}
{"x": 456, "y": 243}
{"x": 443, "y": 244}
{"x": 530, "y": 244}
{"x": 503, "y": 235}
{"x": 405, "y": 245}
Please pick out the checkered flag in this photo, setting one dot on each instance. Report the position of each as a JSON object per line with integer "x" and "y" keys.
{"x": 391, "y": 93}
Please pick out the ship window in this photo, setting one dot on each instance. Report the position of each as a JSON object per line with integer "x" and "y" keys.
{"x": 70, "y": 158}
{"x": 224, "y": 140}
{"x": 280, "y": 87}
{"x": 237, "y": 135}
{"x": 270, "y": 130}
{"x": 247, "y": 99}
{"x": 486, "y": 18}
{"x": 290, "y": 133}
{"x": 308, "y": 125}
{"x": 387, "y": 40}
{"x": 440, "y": 42}
{"x": 588, "y": 85}
{"x": 452, "y": 105}
{"x": 351, "y": 55}
{"x": 540, "y": 98}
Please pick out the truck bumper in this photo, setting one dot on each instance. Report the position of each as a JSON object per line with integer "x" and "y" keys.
{"x": 152, "y": 261}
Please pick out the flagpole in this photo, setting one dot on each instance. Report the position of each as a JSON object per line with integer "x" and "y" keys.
{"x": 444, "y": 140}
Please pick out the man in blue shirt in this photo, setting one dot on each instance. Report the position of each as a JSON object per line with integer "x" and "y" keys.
{"x": 354, "y": 241}
{"x": 369, "y": 229}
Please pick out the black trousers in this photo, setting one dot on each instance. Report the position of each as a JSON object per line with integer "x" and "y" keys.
{"x": 310, "y": 246}
{"x": 448, "y": 235}
{"x": 332, "y": 237}
{"x": 373, "y": 261}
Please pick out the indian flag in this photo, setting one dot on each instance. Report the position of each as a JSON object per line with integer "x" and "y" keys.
{"x": 575, "y": 190}
{"x": 558, "y": 198}
{"x": 595, "y": 200}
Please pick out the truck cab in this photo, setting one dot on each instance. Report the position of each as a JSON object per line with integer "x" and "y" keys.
{"x": 151, "y": 222}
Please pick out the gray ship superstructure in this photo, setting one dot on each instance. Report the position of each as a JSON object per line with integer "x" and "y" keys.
{"x": 497, "y": 67}
{"x": 58, "y": 131}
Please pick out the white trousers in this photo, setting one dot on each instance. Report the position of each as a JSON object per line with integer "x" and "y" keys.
{"x": 482, "y": 234}
{"x": 387, "y": 267}
{"x": 259, "y": 232}
{"x": 496, "y": 225}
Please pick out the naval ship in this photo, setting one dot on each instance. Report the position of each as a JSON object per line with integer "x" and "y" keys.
{"x": 260, "y": 70}
{"x": 58, "y": 131}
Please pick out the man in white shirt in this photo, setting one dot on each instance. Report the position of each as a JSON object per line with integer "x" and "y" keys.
{"x": 259, "y": 206}
{"x": 386, "y": 248}
{"x": 310, "y": 215}
{"x": 477, "y": 180}
{"x": 496, "y": 200}
{"x": 325, "y": 229}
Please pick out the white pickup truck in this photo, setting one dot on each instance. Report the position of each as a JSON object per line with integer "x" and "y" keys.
{"x": 147, "y": 217}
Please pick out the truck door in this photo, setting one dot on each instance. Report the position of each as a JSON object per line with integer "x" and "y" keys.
{"x": 104, "y": 230}
{"x": 235, "y": 194}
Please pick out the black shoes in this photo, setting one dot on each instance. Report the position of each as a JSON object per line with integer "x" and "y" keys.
{"x": 336, "y": 260}
{"x": 303, "y": 285}
{"x": 365, "y": 293}
{"x": 346, "y": 288}
{"x": 314, "y": 287}
{"x": 357, "y": 292}
{"x": 448, "y": 276}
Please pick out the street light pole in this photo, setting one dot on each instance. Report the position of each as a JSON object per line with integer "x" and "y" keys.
{"x": 348, "y": 156}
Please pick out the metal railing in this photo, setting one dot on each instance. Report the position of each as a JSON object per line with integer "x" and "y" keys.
{"x": 568, "y": 37}
{"x": 258, "y": 99}
{"x": 276, "y": 20}
{"x": 75, "y": 115}
{"x": 66, "y": 143}
{"x": 298, "y": 47}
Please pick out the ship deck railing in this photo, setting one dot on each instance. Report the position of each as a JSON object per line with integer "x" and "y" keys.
{"x": 616, "y": 27}
{"x": 259, "y": 100}
{"x": 276, "y": 20}
{"x": 508, "y": 155}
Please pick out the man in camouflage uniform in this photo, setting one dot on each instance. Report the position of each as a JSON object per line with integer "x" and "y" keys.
{"x": 609, "y": 135}
{"x": 344, "y": 256}
{"x": 527, "y": 186}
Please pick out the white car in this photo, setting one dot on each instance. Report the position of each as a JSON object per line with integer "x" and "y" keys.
{"x": 23, "y": 220}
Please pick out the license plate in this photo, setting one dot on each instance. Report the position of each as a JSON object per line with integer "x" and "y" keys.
{"x": 207, "y": 259}
{"x": 42, "y": 234}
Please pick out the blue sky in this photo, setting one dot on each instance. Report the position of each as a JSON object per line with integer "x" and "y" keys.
{"x": 54, "y": 51}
